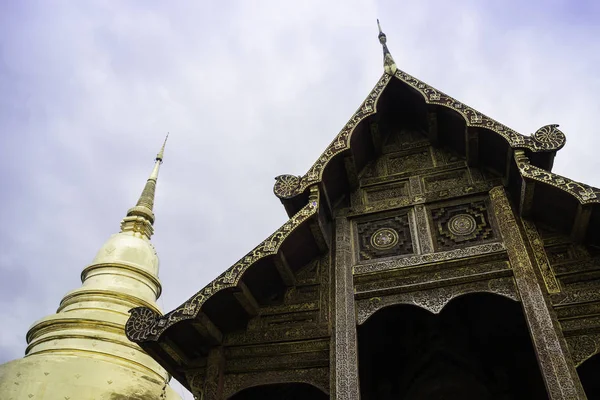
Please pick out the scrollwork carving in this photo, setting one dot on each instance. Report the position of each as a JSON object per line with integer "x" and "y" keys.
{"x": 435, "y": 299}
{"x": 549, "y": 137}
{"x": 583, "y": 193}
{"x": 344, "y": 341}
{"x": 318, "y": 377}
{"x": 142, "y": 321}
{"x": 286, "y": 186}
{"x": 429, "y": 258}
{"x": 583, "y": 347}
{"x": 541, "y": 258}
{"x": 342, "y": 140}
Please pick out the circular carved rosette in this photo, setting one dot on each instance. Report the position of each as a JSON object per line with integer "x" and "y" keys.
{"x": 286, "y": 186}
{"x": 549, "y": 137}
{"x": 462, "y": 225}
{"x": 140, "y": 324}
{"x": 384, "y": 238}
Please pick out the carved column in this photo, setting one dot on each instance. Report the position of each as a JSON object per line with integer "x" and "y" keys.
{"x": 213, "y": 381}
{"x": 344, "y": 360}
{"x": 558, "y": 370}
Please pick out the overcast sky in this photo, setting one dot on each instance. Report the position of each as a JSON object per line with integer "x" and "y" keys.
{"x": 249, "y": 90}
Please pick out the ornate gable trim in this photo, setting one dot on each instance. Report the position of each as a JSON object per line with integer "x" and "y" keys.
{"x": 288, "y": 186}
{"x": 546, "y": 139}
{"x": 145, "y": 324}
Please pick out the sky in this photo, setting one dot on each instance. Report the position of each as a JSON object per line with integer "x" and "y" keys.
{"x": 248, "y": 90}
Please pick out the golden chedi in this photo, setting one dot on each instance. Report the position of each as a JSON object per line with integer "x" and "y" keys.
{"x": 81, "y": 352}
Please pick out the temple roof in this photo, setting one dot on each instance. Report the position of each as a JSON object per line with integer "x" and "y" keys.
{"x": 523, "y": 162}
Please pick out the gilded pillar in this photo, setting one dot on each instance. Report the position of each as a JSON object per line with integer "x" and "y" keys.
{"x": 344, "y": 376}
{"x": 556, "y": 365}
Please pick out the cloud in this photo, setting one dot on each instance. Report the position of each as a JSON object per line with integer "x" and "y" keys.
{"x": 249, "y": 90}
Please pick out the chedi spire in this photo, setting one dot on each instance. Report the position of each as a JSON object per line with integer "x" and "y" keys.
{"x": 140, "y": 218}
{"x": 81, "y": 351}
{"x": 389, "y": 65}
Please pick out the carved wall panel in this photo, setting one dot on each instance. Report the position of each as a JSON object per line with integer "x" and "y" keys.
{"x": 539, "y": 253}
{"x": 386, "y": 192}
{"x": 583, "y": 347}
{"x": 577, "y": 271}
{"x": 432, "y": 275}
{"x": 405, "y": 138}
{"x": 279, "y": 361}
{"x": 434, "y": 300}
{"x": 303, "y": 314}
{"x": 461, "y": 225}
{"x": 384, "y": 237}
{"x": 446, "y": 180}
{"x": 442, "y": 256}
{"x": 397, "y": 163}
{"x": 565, "y": 253}
{"x": 443, "y": 156}
{"x": 318, "y": 377}
{"x": 359, "y": 209}
{"x": 195, "y": 380}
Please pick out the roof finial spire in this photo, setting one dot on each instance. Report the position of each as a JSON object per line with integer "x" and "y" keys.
{"x": 142, "y": 212}
{"x": 388, "y": 62}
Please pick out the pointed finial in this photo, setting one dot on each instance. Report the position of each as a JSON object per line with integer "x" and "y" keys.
{"x": 389, "y": 65}
{"x": 140, "y": 218}
{"x": 382, "y": 37}
{"x": 159, "y": 156}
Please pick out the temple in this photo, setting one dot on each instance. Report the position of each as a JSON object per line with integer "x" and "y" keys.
{"x": 430, "y": 253}
{"x": 81, "y": 352}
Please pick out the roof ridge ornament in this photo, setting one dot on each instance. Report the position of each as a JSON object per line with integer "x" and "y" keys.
{"x": 389, "y": 65}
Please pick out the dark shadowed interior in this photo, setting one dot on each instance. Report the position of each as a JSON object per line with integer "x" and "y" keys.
{"x": 590, "y": 379}
{"x": 477, "y": 348}
{"x": 288, "y": 391}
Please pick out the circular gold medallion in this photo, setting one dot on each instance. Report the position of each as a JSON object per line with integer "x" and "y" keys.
{"x": 462, "y": 225}
{"x": 384, "y": 238}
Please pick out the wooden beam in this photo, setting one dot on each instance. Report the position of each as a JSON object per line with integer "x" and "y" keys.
{"x": 376, "y": 137}
{"x": 581, "y": 222}
{"x": 351, "y": 172}
{"x": 317, "y": 228}
{"x": 526, "y": 198}
{"x": 510, "y": 154}
{"x": 527, "y": 186}
{"x": 157, "y": 352}
{"x": 472, "y": 144}
{"x": 286, "y": 273}
{"x": 207, "y": 328}
{"x": 173, "y": 351}
{"x": 246, "y": 299}
{"x": 432, "y": 131}
{"x": 325, "y": 199}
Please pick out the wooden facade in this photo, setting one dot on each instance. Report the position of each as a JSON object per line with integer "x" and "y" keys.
{"x": 430, "y": 253}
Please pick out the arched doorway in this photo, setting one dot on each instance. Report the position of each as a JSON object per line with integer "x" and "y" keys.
{"x": 288, "y": 391}
{"x": 589, "y": 373}
{"x": 477, "y": 348}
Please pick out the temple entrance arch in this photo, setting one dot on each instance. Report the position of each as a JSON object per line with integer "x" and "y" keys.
{"x": 291, "y": 391}
{"x": 588, "y": 373}
{"x": 478, "y": 347}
